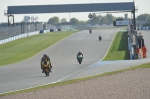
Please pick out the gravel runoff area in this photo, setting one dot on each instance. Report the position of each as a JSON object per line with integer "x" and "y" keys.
{"x": 132, "y": 84}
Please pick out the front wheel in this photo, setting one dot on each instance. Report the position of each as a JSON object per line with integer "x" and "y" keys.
{"x": 79, "y": 60}
{"x": 100, "y": 38}
{"x": 47, "y": 72}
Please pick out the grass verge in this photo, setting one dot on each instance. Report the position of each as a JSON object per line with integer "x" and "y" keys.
{"x": 119, "y": 47}
{"x": 25, "y": 48}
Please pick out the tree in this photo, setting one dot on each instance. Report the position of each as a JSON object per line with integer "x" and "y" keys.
{"x": 74, "y": 21}
{"x": 104, "y": 20}
{"x": 143, "y": 17}
{"x": 82, "y": 22}
{"x": 54, "y": 20}
{"x": 119, "y": 18}
{"x": 95, "y": 19}
{"x": 110, "y": 18}
{"x": 63, "y": 20}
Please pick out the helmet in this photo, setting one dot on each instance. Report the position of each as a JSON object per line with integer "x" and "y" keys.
{"x": 44, "y": 55}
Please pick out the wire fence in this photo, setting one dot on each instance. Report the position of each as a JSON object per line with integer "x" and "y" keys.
{"x": 7, "y": 32}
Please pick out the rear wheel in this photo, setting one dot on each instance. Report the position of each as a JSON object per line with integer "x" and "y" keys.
{"x": 47, "y": 72}
{"x": 79, "y": 61}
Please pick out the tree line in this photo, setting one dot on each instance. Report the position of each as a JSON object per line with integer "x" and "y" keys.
{"x": 97, "y": 19}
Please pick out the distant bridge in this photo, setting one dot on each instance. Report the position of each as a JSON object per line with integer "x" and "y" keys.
{"x": 28, "y": 9}
{"x": 64, "y": 8}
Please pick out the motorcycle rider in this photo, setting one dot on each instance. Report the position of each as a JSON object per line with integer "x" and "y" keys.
{"x": 100, "y": 37}
{"x": 46, "y": 59}
{"x": 90, "y": 30}
{"x": 79, "y": 53}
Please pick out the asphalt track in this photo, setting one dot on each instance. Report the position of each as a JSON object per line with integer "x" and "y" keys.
{"x": 28, "y": 74}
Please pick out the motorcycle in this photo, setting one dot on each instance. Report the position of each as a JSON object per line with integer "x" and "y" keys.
{"x": 90, "y": 31}
{"x": 80, "y": 57}
{"x": 100, "y": 38}
{"x": 46, "y": 69}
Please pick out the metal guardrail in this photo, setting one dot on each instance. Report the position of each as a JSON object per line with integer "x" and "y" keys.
{"x": 22, "y": 28}
{"x": 21, "y": 36}
{"x": 135, "y": 43}
{"x": 144, "y": 28}
{"x": 7, "y": 32}
{"x": 132, "y": 42}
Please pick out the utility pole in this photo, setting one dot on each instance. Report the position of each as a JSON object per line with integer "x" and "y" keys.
{"x": 134, "y": 21}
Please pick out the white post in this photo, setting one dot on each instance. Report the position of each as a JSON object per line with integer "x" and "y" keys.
{"x": 28, "y": 29}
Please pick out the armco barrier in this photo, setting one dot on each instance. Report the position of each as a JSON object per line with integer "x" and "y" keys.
{"x": 33, "y": 33}
{"x": 20, "y": 36}
{"x": 41, "y": 31}
{"x": 144, "y": 28}
{"x": 13, "y": 38}
{"x": 46, "y": 31}
{"x": 130, "y": 42}
{"x": 51, "y": 30}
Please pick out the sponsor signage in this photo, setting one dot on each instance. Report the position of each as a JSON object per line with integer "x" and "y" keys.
{"x": 122, "y": 22}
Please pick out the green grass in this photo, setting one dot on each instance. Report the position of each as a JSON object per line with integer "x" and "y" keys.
{"x": 25, "y": 48}
{"x": 119, "y": 47}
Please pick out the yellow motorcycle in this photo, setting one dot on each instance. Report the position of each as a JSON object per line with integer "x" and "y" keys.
{"x": 46, "y": 68}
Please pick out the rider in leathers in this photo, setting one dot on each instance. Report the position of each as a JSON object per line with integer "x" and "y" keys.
{"x": 100, "y": 37}
{"x": 46, "y": 59}
{"x": 90, "y": 30}
{"x": 79, "y": 53}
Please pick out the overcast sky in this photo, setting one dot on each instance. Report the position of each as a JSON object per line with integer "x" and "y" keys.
{"x": 142, "y": 5}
